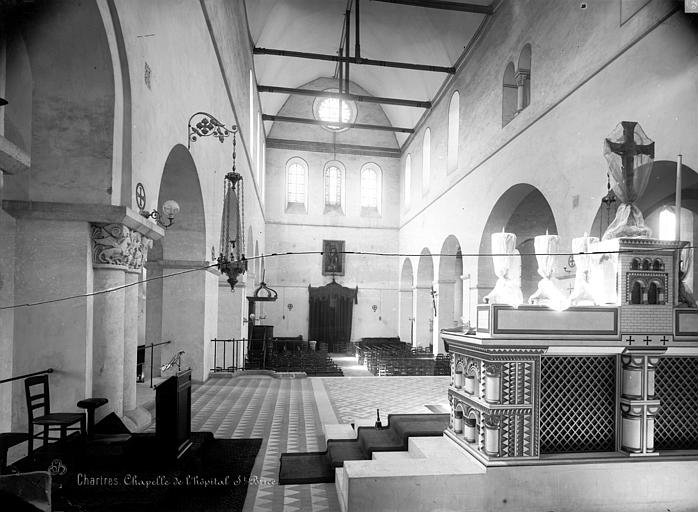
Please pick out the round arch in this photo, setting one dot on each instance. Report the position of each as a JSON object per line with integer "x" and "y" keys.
{"x": 425, "y": 269}
{"x": 71, "y": 154}
{"x": 186, "y": 238}
{"x": 423, "y": 301}
{"x": 450, "y": 303}
{"x": 523, "y": 210}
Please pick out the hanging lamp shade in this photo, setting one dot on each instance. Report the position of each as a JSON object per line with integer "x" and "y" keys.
{"x": 231, "y": 260}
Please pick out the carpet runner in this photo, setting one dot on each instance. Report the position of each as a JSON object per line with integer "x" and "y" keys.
{"x": 318, "y": 467}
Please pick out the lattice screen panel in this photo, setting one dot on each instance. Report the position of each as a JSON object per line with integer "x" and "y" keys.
{"x": 578, "y": 404}
{"x": 676, "y": 386}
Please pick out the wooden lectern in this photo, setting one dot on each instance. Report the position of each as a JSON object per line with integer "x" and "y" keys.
{"x": 173, "y": 414}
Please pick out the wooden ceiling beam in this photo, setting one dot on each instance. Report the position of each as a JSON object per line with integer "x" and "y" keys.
{"x": 353, "y": 97}
{"x": 360, "y": 126}
{"x": 439, "y": 4}
{"x": 354, "y": 60}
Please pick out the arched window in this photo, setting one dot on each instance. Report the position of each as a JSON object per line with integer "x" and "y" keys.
{"x": 370, "y": 189}
{"x": 509, "y": 95}
{"x": 453, "y": 122}
{"x": 296, "y": 185}
{"x": 251, "y": 115}
{"x": 426, "y": 160}
{"x": 523, "y": 79}
{"x": 654, "y": 293}
{"x": 334, "y": 187}
{"x": 635, "y": 264}
{"x": 658, "y": 264}
{"x": 636, "y": 294}
{"x": 408, "y": 180}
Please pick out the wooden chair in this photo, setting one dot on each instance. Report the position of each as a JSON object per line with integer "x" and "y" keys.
{"x": 56, "y": 421}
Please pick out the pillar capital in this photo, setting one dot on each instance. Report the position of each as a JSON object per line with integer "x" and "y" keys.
{"x": 521, "y": 76}
{"x": 118, "y": 246}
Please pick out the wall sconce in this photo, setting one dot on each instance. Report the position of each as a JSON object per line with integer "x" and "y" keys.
{"x": 374, "y": 308}
{"x": 170, "y": 209}
{"x": 289, "y": 306}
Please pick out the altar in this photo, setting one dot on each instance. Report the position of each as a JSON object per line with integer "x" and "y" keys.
{"x": 594, "y": 393}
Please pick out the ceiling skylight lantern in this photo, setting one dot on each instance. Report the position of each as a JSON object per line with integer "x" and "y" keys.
{"x": 331, "y": 110}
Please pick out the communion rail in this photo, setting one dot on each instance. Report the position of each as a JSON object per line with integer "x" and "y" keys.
{"x": 229, "y": 355}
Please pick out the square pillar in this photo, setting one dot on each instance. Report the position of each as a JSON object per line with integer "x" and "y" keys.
{"x": 52, "y": 261}
{"x": 423, "y": 314}
{"x": 189, "y": 316}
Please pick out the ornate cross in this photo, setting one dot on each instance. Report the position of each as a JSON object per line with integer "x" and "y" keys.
{"x": 628, "y": 149}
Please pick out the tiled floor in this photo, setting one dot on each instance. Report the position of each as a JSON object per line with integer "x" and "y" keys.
{"x": 289, "y": 414}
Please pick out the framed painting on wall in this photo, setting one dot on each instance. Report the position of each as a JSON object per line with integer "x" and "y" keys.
{"x": 333, "y": 257}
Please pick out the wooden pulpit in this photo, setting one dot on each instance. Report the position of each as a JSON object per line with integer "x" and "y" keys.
{"x": 173, "y": 414}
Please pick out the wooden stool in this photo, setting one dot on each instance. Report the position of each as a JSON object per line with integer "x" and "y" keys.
{"x": 90, "y": 404}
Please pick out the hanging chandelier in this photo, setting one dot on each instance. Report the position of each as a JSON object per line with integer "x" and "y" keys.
{"x": 231, "y": 258}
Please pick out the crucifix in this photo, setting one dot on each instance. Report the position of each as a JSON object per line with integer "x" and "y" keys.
{"x": 629, "y": 153}
{"x": 434, "y": 295}
{"x": 627, "y": 150}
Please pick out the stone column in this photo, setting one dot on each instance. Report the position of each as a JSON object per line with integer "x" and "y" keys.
{"x": 638, "y": 403}
{"x": 108, "y": 339}
{"x": 522, "y": 100}
{"x": 130, "y": 338}
{"x": 118, "y": 254}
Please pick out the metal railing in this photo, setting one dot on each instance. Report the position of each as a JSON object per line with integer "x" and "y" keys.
{"x": 49, "y": 370}
{"x": 235, "y": 354}
{"x": 151, "y": 347}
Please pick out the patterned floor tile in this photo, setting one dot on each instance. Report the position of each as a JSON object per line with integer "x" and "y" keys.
{"x": 284, "y": 413}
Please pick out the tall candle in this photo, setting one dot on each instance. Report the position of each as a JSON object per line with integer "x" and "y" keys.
{"x": 503, "y": 243}
{"x": 581, "y": 245}
{"x": 544, "y": 245}
{"x": 677, "y": 228}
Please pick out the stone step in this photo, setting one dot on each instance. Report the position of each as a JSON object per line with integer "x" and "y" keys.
{"x": 394, "y": 457}
{"x": 443, "y": 476}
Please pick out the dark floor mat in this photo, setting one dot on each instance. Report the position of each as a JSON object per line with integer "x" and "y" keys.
{"x": 212, "y": 475}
